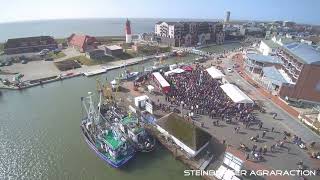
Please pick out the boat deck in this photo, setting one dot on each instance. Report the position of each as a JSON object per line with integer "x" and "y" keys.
{"x": 112, "y": 141}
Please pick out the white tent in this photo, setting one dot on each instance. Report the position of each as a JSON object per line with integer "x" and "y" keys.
{"x": 174, "y": 71}
{"x": 215, "y": 73}
{"x": 235, "y": 94}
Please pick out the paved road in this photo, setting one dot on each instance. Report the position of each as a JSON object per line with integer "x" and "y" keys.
{"x": 290, "y": 123}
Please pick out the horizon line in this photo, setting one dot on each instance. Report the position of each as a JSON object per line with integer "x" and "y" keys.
{"x": 80, "y": 18}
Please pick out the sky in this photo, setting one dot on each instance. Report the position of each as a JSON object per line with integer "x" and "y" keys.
{"x": 301, "y": 11}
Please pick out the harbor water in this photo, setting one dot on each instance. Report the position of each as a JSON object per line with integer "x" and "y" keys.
{"x": 40, "y": 136}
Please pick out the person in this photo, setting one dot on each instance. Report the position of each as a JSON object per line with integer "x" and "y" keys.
{"x": 272, "y": 148}
{"x": 264, "y": 134}
{"x": 272, "y": 129}
{"x": 265, "y": 149}
{"x": 284, "y": 138}
{"x": 275, "y": 115}
{"x": 247, "y": 156}
{"x": 300, "y": 162}
{"x": 254, "y": 147}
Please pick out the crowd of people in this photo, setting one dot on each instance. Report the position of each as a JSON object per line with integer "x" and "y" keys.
{"x": 199, "y": 93}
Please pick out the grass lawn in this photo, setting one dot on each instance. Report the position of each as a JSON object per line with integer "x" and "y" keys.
{"x": 126, "y": 55}
{"x": 83, "y": 60}
{"x": 56, "y": 55}
{"x": 150, "y": 50}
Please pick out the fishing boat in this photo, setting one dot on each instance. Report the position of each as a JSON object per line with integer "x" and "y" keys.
{"x": 130, "y": 126}
{"x": 103, "y": 137}
{"x": 141, "y": 139}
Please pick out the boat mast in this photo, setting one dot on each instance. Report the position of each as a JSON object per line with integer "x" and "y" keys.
{"x": 92, "y": 115}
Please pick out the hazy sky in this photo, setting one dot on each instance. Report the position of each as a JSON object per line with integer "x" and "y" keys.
{"x": 305, "y": 11}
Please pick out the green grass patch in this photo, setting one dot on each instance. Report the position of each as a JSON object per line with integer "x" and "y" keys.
{"x": 83, "y": 60}
{"x": 125, "y": 56}
{"x": 56, "y": 55}
{"x": 150, "y": 50}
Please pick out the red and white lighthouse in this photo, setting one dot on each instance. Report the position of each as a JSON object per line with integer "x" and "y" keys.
{"x": 128, "y": 32}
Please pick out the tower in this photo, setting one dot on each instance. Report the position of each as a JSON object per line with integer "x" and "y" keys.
{"x": 227, "y": 18}
{"x": 128, "y": 32}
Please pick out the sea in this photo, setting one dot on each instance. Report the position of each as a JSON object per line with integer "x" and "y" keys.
{"x": 64, "y": 28}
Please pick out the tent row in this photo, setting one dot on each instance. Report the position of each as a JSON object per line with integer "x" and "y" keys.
{"x": 235, "y": 94}
{"x": 215, "y": 73}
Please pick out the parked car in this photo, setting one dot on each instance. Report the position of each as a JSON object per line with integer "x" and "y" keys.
{"x": 1, "y": 64}
{"x": 44, "y": 52}
{"x": 56, "y": 51}
{"x": 230, "y": 70}
{"x": 8, "y": 63}
{"x": 24, "y": 61}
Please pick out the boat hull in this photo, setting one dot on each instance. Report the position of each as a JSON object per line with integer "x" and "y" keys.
{"x": 104, "y": 157}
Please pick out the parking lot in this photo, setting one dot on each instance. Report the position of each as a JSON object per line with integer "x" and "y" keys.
{"x": 35, "y": 67}
{"x": 31, "y": 70}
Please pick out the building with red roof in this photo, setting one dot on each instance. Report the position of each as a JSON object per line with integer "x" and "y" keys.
{"x": 82, "y": 42}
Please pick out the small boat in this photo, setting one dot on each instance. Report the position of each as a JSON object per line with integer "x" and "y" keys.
{"x": 95, "y": 72}
{"x": 127, "y": 75}
{"x": 103, "y": 137}
{"x": 181, "y": 53}
{"x": 156, "y": 67}
{"x": 201, "y": 59}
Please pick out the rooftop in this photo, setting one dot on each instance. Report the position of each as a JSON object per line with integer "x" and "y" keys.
{"x": 273, "y": 74}
{"x": 114, "y": 47}
{"x": 303, "y": 52}
{"x": 29, "y": 41}
{"x": 271, "y": 43}
{"x": 264, "y": 59}
{"x": 80, "y": 40}
{"x": 112, "y": 140}
{"x": 189, "y": 134}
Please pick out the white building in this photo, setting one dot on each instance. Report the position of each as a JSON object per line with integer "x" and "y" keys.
{"x": 189, "y": 138}
{"x": 169, "y": 29}
{"x": 268, "y": 47}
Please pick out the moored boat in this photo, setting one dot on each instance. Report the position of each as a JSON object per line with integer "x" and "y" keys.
{"x": 127, "y": 75}
{"x": 103, "y": 137}
{"x": 142, "y": 140}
